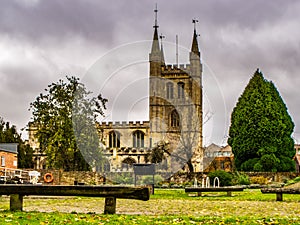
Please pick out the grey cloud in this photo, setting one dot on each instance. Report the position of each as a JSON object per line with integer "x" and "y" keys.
{"x": 57, "y": 20}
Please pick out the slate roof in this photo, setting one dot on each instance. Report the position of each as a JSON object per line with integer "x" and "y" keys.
{"x": 9, "y": 147}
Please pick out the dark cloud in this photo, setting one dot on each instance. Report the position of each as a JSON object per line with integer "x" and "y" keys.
{"x": 42, "y": 41}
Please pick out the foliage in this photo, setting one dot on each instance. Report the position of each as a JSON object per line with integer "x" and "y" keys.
{"x": 149, "y": 179}
{"x": 261, "y": 128}
{"x": 124, "y": 178}
{"x": 57, "y": 218}
{"x": 9, "y": 134}
{"x": 224, "y": 177}
{"x": 258, "y": 180}
{"x": 25, "y": 156}
{"x": 293, "y": 181}
{"x": 241, "y": 179}
{"x": 158, "y": 153}
{"x": 65, "y": 116}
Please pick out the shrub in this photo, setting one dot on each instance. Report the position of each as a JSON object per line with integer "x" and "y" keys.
{"x": 293, "y": 181}
{"x": 243, "y": 179}
{"x": 149, "y": 179}
{"x": 258, "y": 180}
{"x": 124, "y": 178}
{"x": 224, "y": 177}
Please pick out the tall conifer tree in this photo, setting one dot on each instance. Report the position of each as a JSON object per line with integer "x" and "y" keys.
{"x": 261, "y": 128}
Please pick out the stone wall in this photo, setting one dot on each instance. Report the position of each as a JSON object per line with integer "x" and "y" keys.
{"x": 94, "y": 178}
{"x": 279, "y": 177}
{"x": 69, "y": 177}
{"x": 274, "y": 176}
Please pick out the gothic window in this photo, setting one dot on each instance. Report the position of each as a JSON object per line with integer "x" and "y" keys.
{"x": 170, "y": 90}
{"x": 138, "y": 139}
{"x": 180, "y": 90}
{"x": 174, "y": 119}
{"x": 114, "y": 139}
{"x": 127, "y": 163}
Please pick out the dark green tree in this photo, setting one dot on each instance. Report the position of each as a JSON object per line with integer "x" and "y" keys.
{"x": 65, "y": 117}
{"x": 9, "y": 134}
{"x": 261, "y": 129}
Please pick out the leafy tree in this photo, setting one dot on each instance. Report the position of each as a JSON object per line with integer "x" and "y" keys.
{"x": 65, "y": 116}
{"x": 9, "y": 134}
{"x": 261, "y": 128}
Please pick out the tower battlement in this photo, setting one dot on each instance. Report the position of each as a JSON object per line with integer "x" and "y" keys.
{"x": 174, "y": 69}
{"x": 123, "y": 124}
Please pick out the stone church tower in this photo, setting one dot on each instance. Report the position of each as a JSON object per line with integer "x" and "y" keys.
{"x": 175, "y": 108}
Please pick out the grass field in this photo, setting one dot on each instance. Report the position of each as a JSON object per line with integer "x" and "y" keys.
{"x": 164, "y": 207}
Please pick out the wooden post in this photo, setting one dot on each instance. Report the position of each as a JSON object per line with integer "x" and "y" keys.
{"x": 229, "y": 194}
{"x": 16, "y": 202}
{"x": 279, "y": 196}
{"x": 110, "y": 205}
{"x": 199, "y": 194}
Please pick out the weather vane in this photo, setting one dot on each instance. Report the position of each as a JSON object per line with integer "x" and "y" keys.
{"x": 194, "y": 22}
{"x": 161, "y": 36}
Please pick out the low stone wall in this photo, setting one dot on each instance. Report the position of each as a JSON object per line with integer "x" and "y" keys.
{"x": 69, "y": 177}
{"x": 94, "y": 178}
{"x": 279, "y": 177}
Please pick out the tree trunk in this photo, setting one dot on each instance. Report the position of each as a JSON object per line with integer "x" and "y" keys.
{"x": 190, "y": 166}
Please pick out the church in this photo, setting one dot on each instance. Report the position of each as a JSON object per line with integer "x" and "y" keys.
{"x": 175, "y": 116}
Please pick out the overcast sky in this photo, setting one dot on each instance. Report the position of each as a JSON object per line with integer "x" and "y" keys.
{"x": 42, "y": 41}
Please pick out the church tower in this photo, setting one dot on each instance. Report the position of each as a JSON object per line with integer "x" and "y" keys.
{"x": 175, "y": 103}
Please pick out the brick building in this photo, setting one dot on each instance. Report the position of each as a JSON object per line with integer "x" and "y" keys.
{"x": 218, "y": 158}
{"x": 8, "y": 156}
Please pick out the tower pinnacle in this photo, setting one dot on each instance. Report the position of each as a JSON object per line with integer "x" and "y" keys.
{"x": 195, "y": 48}
{"x": 161, "y": 48}
{"x": 155, "y": 50}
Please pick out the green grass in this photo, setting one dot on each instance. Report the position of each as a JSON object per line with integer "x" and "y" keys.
{"x": 63, "y": 218}
{"x": 246, "y": 195}
{"x": 165, "y": 207}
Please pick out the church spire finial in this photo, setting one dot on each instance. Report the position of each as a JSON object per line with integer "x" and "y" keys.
{"x": 195, "y": 48}
{"x": 194, "y": 21}
{"x": 155, "y": 11}
{"x": 155, "y": 43}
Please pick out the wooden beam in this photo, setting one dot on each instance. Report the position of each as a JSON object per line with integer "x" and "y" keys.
{"x": 111, "y": 193}
{"x": 126, "y": 192}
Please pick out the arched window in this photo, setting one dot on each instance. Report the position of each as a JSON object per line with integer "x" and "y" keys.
{"x": 138, "y": 139}
{"x": 127, "y": 163}
{"x": 170, "y": 90}
{"x": 180, "y": 90}
{"x": 174, "y": 119}
{"x": 114, "y": 139}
